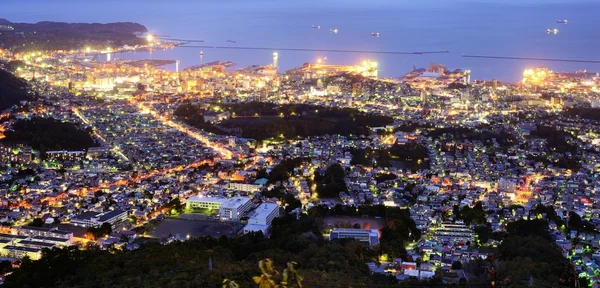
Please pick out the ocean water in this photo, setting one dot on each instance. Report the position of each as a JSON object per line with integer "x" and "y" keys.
{"x": 480, "y": 27}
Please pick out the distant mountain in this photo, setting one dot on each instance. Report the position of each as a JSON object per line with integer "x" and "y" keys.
{"x": 12, "y": 90}
{"x": 66, "y": 36}
{"x": 120, "y": 28}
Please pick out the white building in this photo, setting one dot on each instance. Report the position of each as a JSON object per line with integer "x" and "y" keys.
{"x": 262, "y": 219}
{"x": 453, "y": 233}
{"x": 95, "y": 219}
{"x": 52, "y": 235}
{"x": 366, "y": 236}
{"x": 234, "y": 208}
{"x": 244, "y": 187}
{"x": 199, "y": 202}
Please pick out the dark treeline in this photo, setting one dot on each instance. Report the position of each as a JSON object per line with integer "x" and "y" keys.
{"x": 331, "y": 183}
{"x": 68, "y": 36}
{"x": 46, "y": 134}
{"x": 526, "y": 254}
{"x": 322, "y": 263}
{"x": 12, "y": 90}
{"x": 413, "y": 156}
{"x": 585, "y": 113}
{"x": 558, "y": 142}
{"x": 289, "y": 120}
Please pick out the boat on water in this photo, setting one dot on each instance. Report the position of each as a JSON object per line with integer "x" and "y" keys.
{"x": 552, "y": 31}
{"x": 316, "y": 26}
{"x": 334, "y": 31}
{"x": 562, "y": 21}
{"x": 375, "y": 34}
{"x": 231, "y": 41}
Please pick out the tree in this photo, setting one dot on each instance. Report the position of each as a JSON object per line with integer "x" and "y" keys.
{"x": 99, "y": 232}
{"x": 37, "y": 222}
{"x": 291, "y": 278}
{"x": 456, "y": 265}
{"x": 174, "y": 206}
{"x": 332, "y": 183}
{"x": 5, "y": 267}
{"x": 575, "y": 222}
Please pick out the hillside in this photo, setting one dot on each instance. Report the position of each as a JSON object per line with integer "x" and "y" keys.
{"x": 65, "y": 36}
{"x": 12, "y": 90}
{"x": 47, "y": 134}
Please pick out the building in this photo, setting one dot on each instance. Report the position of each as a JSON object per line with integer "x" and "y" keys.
{"x": 21, "y": 251}
{"x": 454, "y": 233}
{"x": 244, "y": 187}
{"x": 97, "y": 152}
{"x": 370, "y": 237}
{"x": 17, "y": 153}
{"x": 41, "y": 233}
{"x": 95, "y": 219}
{"x": 234, "y": 208}
{"x": 196, "y": 203}
{"x": 262, "y": 218}
{"x": 62, "y": 155}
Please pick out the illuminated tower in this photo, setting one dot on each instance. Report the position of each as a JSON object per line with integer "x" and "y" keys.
{"x": 275, "y": 58}
{"x": 177, "y": 66}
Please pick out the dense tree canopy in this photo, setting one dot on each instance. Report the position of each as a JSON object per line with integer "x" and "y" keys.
{"x": 48, "y": 134}
{"x": 289, "y": 120}
{"x": 528, "y": 253}
{"x": 321, "y": 263}
{"x": 412, "y": 156}
{"x": 12, "y": 90}
{"x": 332, "y": 183}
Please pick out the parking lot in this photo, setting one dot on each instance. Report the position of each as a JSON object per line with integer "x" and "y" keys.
{"x": 194, "y": 228}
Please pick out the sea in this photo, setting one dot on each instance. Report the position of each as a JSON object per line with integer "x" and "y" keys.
{"x": 513, "y": 28}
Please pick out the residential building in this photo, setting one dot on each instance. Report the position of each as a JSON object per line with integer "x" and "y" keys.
{"x": 262, "y": 218}
{"x": 234, "y": 208}
{"x": 370, "y": 237}
{"x": 95, "y": 219}
{"x": 454, "y": 233}
{"x": 198, "y": 202}
{"x": 43, "y": 232}
{"x": 244, "y": 187}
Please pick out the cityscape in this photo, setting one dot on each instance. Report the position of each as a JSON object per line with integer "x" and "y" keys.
{"x": 147, "y": 173}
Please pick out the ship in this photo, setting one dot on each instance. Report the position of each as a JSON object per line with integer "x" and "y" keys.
{"x": 316, "y": 26}
{"x": 334, "y": 31}
{"x": 552, "y": 31}
{"x": 562, "y": 21}
{"x": 231, "y": 41}
{"x": 375, "y": 34}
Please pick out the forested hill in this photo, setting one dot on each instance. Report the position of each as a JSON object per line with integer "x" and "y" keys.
{"x": 12, "y": 90}
{"x": 65, "y": 36}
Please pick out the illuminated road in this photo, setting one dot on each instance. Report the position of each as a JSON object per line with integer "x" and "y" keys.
{"x": 220, "y": 148}
{"x": 117, "y": 150}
